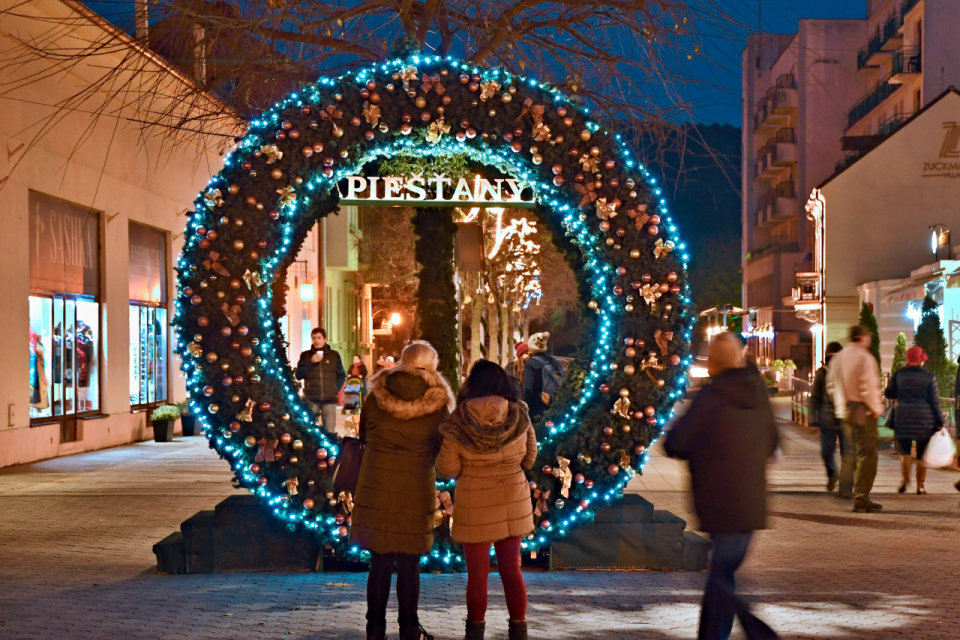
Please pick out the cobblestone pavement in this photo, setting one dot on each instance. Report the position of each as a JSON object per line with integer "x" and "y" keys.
{"x": 76, "y": 562}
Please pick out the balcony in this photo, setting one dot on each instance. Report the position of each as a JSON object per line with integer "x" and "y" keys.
{"x": 906, "y": 7}
{"x": 776, "y": 156}
{"x": 777, "y": 204}
{"x": 907, "y": 63}
{"x": 891, "y": 37}
{"x": 785, "y": 148}
{"x": 777, "y": 106}
{"x": 806, "y": 287}
{"x": 883, "y": 90}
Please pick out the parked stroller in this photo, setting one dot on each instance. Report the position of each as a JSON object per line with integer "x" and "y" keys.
{"x": 352, "y": 395}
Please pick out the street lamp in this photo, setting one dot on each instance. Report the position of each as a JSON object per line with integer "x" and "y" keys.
{"x": 939, "y": 237}
{"x": 395, "y": 319}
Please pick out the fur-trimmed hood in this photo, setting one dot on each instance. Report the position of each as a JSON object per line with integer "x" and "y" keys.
{"x": 407, "y": 393}
{"x": 486, "y": 425}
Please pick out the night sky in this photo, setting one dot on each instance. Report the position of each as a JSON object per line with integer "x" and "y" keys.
{"x": 715, "y": 94}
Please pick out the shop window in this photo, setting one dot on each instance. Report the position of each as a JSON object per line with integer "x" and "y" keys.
{"x": 65, "y": 327}
{"x": 147, "y": 316}
{"x": 148, "y": 355}
{"x": 64, "y": 363}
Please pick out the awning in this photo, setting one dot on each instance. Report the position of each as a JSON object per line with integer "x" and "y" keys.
{"x": 907, "y": 293}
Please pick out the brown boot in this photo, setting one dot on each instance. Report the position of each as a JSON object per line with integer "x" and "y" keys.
{"x": 474, "y": 630}
{"x": 517, "y": 630}
{"x": 921, "y": 477}
{"x": 905, "y": 472}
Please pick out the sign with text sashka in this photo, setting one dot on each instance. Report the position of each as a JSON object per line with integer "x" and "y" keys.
{"x": 435, "y": 191}
{"x": 64, "y": 246}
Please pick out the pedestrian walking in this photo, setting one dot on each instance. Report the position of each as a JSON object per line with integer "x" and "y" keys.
{"x": 727, "y": 436}
{"x": 396, "y": 491}
{"x": 323, "y": 376}
{"x": 359, "y": 370}
{"x": 488, "y": 443}
{"x": 542, "y": 375}
{"x": 854, "y": 379}
{"x": 916, "y": 416}
{"x": 823, "y": 416}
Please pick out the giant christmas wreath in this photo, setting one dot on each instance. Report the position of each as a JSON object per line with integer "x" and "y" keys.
{"x": 595, "y": 197}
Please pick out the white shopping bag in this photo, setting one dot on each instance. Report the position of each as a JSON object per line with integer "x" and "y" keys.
{"x": 941, "y": 450}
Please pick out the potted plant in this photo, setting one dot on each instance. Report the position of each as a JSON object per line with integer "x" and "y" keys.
{"x": 163, "y": 418}
{"x": 188, "y": 421}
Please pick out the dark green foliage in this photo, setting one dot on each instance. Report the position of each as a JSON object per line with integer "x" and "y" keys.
{"x": 929, "y": 337}
{"x": 899, "y": 353}
{"x": 869, "y": 322}
{"x": 437, "y": 304}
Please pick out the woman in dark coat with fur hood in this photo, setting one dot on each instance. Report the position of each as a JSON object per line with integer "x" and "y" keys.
{"x": 488, "y": 443}
{"x": 396, "y": 492}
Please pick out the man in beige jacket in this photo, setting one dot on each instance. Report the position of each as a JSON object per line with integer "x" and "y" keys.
{"x": 854, "y": 380}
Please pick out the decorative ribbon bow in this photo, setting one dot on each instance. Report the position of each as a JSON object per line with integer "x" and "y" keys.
{"x": 663, "y": 338}
{"x": 621, "y": 408}
{"x": 488, "y": 89}
{"x": 624, "y": 459}
{"x": 562, "y": 471}
{"x": 436, "y": 130}
{"x": 372, "y": 113}
{"x": 194, "y": 349}
{"x": 267, "y": 451}
{"x": 606, "y": 210}
{"x": 652, "y": 363}
{"x": 662, "y": 248}
{"x": 253, "y": 280}
{"x": 232, "y": 313}
{"x": 292, "y": 485}
{"x": 543, "y": 504}
{"x": 651, "y": 293}
{"x": 246, "y": 414}
{"x": 215, "y": 262}
{"x": 346, "y": 499}
{"x": 541, "y": 132}
{"x": 535, "y": 110}
{"x": 331, "y": 114}
{"x": 287, "y": 195}
{"x": 589, "y": 163}
{"x": 584, "y": 459}
{"x": 588, "y": 191}
{"x": 408, "y": 74}
{"x": 272, "y": 152}
{"x": 213, "y": 198}
{"x": 444, "y": 508}
{"x": 432, "y": 82}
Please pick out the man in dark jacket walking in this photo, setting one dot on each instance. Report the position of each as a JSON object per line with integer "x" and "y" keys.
{"x": 323, "y": 376}
{"x": 542, "y": 375}
{"x": 727, "y": 437}
{"x": 824, "y": 417}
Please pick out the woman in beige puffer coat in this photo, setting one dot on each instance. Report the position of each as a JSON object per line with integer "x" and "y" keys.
{"x": 488, "y": 443}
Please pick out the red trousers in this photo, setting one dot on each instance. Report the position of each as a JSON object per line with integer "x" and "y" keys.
{"x": 477, "y": 556}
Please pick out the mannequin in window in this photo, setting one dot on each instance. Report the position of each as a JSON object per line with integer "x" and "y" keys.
{"x": 85, "y": 362}
{"x": 39, "y": 394}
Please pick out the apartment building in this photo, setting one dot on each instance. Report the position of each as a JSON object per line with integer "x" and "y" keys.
{"x": 815, "y": 102}
{"x": 796, "y": 90}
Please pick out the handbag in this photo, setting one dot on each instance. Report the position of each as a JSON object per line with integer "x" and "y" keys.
{"x": 346, "y": 471}
{"x": 888, "y": 417}
{"x": 941, "y": 450}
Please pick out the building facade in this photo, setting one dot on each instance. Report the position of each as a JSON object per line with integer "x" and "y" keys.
{"x": 794, "y": 87}
{"x": 886, "y": 233}
{"x": 94, "y": 208}
{"x": 857, "y": 82}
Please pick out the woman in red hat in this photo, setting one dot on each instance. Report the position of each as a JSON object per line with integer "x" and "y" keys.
{"x": 917, "y": 415}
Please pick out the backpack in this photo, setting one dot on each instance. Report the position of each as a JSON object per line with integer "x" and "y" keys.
{"x": 551, "y": 377}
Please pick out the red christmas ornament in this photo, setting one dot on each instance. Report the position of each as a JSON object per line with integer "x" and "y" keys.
{"x": 235, "y": 426}
{"x": 226, "y": 331}
{"x": 246, "y": 352}
{"x": 672, "y": 276}
{"x": 308, "y": 504}
{"x": 204, "y": 244}
{"x": 196, "y": 300}
{"x": 588, "y": 483}
{"x": 630, "y": 352}
{"x": 547, "y": 470}
{"x": 674, "y": 360}
{"x": 613, "y": 469}
{"x": 264, "y": 406}
{"x": 579, "y": 478}
{"x": 227, "y": 381}
{"x": 208, "y": 390}
{"x": 605, "y": 447}
{"x": 628, "y": 341}
{"x": 262, "y": 480}
{"x": 652, "y": 230}
{"x": 285, "y": 438}
{"x": 203, "y": 321}
{"x": 545, "y": 524}
{"x": 254, "y": 468}
{"x": 243, "y": 330}
{"x": 604, "y": 388}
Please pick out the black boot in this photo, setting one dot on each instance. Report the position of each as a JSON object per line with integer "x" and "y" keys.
{"x": 414, "y": 633}
{"x": 517, "y": 630}
{"x": 377, "y": 630}
{"x": 474, "y": 630}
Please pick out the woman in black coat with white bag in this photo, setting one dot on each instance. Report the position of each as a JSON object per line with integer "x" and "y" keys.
{"x": 917, "y": 415}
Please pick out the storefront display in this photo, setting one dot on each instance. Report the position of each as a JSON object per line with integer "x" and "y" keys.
{"x": 65, "y": 326}
{"x": 147, "y": 316}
